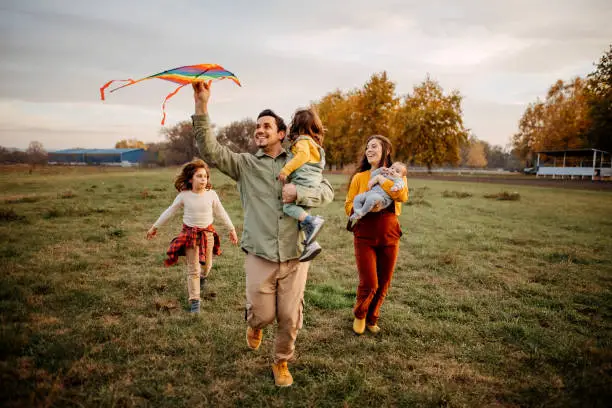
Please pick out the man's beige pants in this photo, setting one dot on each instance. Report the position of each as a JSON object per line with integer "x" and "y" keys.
{"x": 276, "y": 290}
{"x": 194, "y": 271}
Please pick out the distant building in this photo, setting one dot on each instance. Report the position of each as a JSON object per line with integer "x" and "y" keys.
{"x": 574, "y": 163}
{"x": 110, "y": 157}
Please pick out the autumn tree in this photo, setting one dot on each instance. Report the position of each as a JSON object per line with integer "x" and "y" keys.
{"x": 476, "y": 155}
{"x": 531, "y": 128}
{"x": 238, "y": 136}
{"x": 599, "y": 95}
{"x": 375, "y": 105}
{"x": 180, "y": 143}
{"x": 12, "y": 156}
{"x": 428, "y": 126}
{"x": 568, "y": 115}
{"x": 350, "y": 118}
{"x": 130, "y": 144}
{"x": 336, "y": 111}
{"x": 557, "y": 123}
{"x": 36, "y": 153}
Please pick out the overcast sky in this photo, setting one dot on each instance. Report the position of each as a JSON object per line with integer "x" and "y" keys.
{"x": 500, "y": 55}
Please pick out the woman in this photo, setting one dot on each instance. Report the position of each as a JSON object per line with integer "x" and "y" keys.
{"x": 376, "y": 236}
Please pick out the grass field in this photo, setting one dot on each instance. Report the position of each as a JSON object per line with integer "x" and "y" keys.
{"x": 502, "y": 303}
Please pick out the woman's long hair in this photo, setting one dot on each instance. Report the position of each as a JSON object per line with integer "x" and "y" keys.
{"x": 385, "y": 160}
{"x": 182, "y": 181}
{"x": 306, "y": 122}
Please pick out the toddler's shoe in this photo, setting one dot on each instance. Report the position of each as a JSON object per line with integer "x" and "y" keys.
{"x": 312, "y": 226}
{"x": 202, "y": 283}
{"x": 310, "y": 252}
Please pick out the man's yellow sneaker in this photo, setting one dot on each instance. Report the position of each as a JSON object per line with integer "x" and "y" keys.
{"x": 373, "y": 328}
{"x": 359, "y": 325}
{"x": 253, "y": 337}
{"x": 282, "y": 376}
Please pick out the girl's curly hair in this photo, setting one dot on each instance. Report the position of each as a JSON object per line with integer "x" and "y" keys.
{"x": 182, "y": 181}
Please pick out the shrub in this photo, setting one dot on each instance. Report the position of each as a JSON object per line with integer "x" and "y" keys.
{"x": 66, "y": 194}
{"x": 504, "y": 195}
{"x": 456, "y": 194}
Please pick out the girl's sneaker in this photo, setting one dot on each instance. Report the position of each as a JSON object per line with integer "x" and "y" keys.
{"x": 194, "y": 306}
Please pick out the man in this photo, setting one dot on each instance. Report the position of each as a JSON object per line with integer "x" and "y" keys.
{"x": 275, "y": 279}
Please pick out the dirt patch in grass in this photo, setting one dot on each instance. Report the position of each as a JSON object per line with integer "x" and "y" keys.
{"x": 416, "y": 196}
{"x": 504, "y": 196}
{"x": 146, "y": 194}
{"x": 18, "y": 199}
{"x": 40, "y": 320}
{"x": 456, "y": 194}
{"x": 167, "y": 305}
{"x": 110, "y": 320}
{"x": 66, "y": 194}
{"x": 10, "y": 215}
{"x": 436, "y": 366}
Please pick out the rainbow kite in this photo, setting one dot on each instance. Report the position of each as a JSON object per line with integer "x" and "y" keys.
{"x": 181, "y": 75}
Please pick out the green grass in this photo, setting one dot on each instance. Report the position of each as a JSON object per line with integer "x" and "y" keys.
{"x": 494, "y": 302}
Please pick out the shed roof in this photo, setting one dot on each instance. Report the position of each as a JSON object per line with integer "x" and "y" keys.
{"x": 572, "y": 152}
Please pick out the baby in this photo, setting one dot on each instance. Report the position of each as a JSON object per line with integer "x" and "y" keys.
{"x": 364, "y": 202}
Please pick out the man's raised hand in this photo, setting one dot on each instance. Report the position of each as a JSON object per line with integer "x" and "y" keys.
{"x": 201, "y": 94}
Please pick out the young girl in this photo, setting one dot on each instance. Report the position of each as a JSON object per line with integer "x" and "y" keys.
{"x": 198, "y": 239}
{"x": 305, "y": 168}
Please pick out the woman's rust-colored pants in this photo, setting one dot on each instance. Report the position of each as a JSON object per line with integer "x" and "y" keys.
{"x": 376, "y": 247}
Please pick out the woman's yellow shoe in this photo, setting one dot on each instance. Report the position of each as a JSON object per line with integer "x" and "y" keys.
{"x": 373, "y": 328}
{"x": 359, "y": 325}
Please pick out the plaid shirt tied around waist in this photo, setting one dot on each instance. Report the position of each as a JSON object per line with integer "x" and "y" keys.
{"x": 189, "y": 238}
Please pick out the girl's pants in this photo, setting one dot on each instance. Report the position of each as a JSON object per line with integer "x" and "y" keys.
{"x": 194, "y": 270}
{"x": 376, "y": 247}
{"x": 276, "y": 290}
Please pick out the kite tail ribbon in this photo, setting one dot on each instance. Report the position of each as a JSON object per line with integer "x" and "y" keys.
{"x": 106, "y": 85}
{"x": 170, "y": 95}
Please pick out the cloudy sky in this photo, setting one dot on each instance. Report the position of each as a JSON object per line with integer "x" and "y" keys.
{"x": 500, "y": 55}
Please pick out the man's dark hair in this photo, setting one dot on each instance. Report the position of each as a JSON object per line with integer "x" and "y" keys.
{"x": 280, "y": 123}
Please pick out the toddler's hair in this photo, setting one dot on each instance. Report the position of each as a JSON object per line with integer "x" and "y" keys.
{"x": 306, "y": 121}
{"x": 404, "y": 168}
{"x": 182, "y": 181}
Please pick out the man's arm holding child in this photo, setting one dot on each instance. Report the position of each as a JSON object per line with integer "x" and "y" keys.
{"x": 309, "y": 196}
